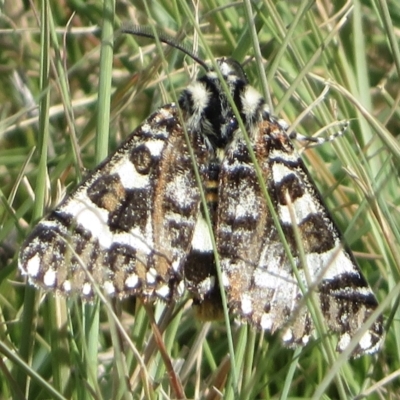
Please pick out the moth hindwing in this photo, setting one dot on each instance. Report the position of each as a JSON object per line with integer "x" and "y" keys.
{"x": 135, "y": 226}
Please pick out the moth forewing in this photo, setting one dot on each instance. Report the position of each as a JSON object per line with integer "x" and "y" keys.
{"x": 258, "y": 289}
{"x": 121, "y": 219}
{"x": 307, "y": 284}
{"x": 350, "y": 298}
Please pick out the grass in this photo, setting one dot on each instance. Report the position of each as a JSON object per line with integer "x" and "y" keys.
{"x": 68, "y": 99}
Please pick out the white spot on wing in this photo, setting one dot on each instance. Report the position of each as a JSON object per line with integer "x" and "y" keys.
{"x": 275, "y": 277}
{"x": 287, "y": 336}
{"x": 280, "y": 171}
{"x": 201, "y": 238}
{"x": 49, "y": 278}
{"x": 32, "y": 266}
{"x": 49, "y": 224}
{"x": 146, "y": 128}
{"x": 132, "y": 281}
{"x": 279, "y": 155}
{"x": 87, "y": 288}
{"x": 109, "y": 287}
{"x": 163, "y": 291}
{"x": 334, "y": 263}
{"x": 344, "y": 341}
{"x": 266, "y": 322}
{"x": 91, "y": 217}
{"x": 155, "y": 147}
{"x": 366, "y": 344}
{"x": 134, "y": 239}
{"x": 128, "y": 175}
{"x": 246, "y": 305}
{"x": 305, "y": 339}
{"x": 67, "y": 286}
{"x": 366, "y": 341}
{"x": 302, "y": 207}
{"x": 151, "y": 276}
{"x": 225, "y": 280}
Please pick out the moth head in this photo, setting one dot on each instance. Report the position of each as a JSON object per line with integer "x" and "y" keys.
{"x": 206, "y": 104}
{"x": 209, "y": 102}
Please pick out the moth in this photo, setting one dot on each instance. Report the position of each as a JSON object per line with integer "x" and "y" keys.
{"x": 136, "y": 225}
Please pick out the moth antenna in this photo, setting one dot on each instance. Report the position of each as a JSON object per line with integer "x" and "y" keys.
{"x": 146, "y": 31}
{"x": 313, "y": 141}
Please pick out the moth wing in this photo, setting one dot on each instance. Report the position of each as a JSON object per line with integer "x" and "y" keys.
{"x": 257, "y": 274}
{"x": 129, "y": 224}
